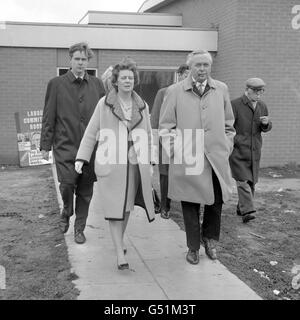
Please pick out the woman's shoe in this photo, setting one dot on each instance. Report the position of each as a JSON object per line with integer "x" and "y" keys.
{"x": 123, "y": 266}
{"x": 165, "y": 214}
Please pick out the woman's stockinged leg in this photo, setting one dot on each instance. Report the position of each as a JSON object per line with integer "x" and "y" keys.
{"x": 116, "y": 230}
{"x": 125, "y": 221}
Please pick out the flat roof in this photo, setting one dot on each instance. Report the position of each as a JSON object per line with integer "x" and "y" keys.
{"x": 150, "y": 5}
{"x": 132, "y": 18}
{"x": 50, "y": 35}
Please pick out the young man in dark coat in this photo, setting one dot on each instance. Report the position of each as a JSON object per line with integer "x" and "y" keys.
{"x": 69, "y": 104}
{"x": 251, "y": 118}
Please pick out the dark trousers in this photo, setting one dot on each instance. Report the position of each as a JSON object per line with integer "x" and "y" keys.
{"x": 211, "y": 224}
{"x": 165, "y": 202}
{"x": 83, "y": 195}
{"x": 245, "y": 191}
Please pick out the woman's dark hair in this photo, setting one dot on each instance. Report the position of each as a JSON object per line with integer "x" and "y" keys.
{"x": 126, "y": 64}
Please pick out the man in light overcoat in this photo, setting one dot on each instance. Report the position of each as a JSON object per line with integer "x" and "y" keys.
{"x": 202, "y": 105}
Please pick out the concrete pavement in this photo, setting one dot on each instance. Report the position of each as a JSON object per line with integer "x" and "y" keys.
{"x": 158, "y": 269}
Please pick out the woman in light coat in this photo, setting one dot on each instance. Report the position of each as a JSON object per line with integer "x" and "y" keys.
{"x": 121, "y": 124}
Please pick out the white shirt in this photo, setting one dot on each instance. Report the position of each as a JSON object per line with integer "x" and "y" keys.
{"x": 254, "y": 103}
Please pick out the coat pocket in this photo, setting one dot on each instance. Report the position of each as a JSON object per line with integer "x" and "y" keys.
{"x": 102, "y": 165}
{"x": 102, "y": 170}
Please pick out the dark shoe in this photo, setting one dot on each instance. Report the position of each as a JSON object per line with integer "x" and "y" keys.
{"x": 247, "y": 217}
{"x": 79, "y": 237}
{"x": 125, "y": 251}
{"x": 156, "y": 209}
{"x": 64, "y": 223}
{"x": 210, "y": 248}
{"x": 192, "y": 256}
{"x": 165, "y": 214}
{"x": 123, "y": 266}
{"x": 238, "y": 211}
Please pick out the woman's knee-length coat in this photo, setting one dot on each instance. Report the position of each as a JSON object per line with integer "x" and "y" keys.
{"x": 108, "y": 126}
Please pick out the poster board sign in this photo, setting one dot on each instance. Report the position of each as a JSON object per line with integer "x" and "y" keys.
{"x": 29, "y": 126}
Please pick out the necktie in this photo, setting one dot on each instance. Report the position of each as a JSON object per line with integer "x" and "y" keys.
{"x": 200, "y": 88}
{"x": 78, "y": 80}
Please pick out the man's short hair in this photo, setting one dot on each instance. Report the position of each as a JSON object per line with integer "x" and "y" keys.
{"x": 82, "y": 47}
{"x": 198, "y": 52}
{"x": 181, "y": 70}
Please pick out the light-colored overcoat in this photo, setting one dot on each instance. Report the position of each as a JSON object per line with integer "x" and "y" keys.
{"x": 108, "y": 126}
{"x": 184, "y": 109}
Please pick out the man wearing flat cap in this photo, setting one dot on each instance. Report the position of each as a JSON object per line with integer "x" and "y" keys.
{"x": 251, "y": 118}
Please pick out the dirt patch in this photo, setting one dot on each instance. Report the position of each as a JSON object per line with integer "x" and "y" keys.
{"x": 32, "y": 248}
{"x": 265, "y": 253}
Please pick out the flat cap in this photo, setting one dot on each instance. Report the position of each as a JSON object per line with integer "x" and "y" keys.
{"x": 256, "y": 83}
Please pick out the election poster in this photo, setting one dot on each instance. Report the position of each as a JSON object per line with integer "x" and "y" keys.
{"x": 29, "y": 125}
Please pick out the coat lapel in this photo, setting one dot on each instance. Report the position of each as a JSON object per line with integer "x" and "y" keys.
{"x": 247, "y": 102}
{"x": 189, "y": 85}
{"x": 138, "y": 106}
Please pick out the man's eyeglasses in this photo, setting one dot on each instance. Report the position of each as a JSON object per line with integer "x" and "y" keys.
{"x": 258, "y": 90}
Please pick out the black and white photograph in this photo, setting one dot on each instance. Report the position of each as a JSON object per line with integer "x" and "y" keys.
{"x": 150, "y": 153}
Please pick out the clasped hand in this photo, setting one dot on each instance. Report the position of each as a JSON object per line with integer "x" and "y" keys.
{"x": 264, "y": 120}
{"x": 78, "y": 166}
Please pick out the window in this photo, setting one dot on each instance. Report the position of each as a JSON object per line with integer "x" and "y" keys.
{"x": 152, "y": 79}
{"x": 91, "y": 71}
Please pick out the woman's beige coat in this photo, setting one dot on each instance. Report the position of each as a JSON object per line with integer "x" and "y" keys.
{"x": 183, "y": 109}
{"x": 111, "y": 166}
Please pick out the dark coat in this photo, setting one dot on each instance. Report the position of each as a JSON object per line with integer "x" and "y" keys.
{"x": 159, "y": 98}
{"x": 245, "y": 158}
{"x": 67, "y": 111}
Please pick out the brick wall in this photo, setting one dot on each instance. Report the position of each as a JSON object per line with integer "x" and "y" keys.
{"x": 24, "y": 76}
{"x": 256, "y": 40}
{"x": 25, "y": 73}
{"x": 275, "y": 57}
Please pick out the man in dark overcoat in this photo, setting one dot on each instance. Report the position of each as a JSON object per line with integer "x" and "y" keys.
{"x": 182, "y": 73}
{"x": 69, "y": 104}
{"x": 251, "y": 118}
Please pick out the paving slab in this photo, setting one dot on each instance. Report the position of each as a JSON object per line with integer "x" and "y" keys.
{"x": 158, "y": 269}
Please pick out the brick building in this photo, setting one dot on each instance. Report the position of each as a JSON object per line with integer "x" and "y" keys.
{"x": 256, "y": 38}
{"x": 247, "y": 38}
